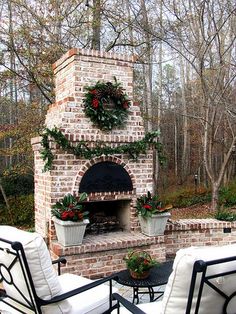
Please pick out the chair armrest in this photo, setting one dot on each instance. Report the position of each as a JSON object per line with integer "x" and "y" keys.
{"x": 76, "y": 291}
{"x": 128, "y": 305}
{"x": 59, "y": 261}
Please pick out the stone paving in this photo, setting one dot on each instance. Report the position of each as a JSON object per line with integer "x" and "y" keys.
{"x": 127, "y": 292}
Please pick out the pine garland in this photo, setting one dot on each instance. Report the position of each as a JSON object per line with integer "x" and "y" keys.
{"x": 82, "y": 150}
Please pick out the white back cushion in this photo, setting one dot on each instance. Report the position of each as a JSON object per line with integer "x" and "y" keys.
{"x": 177, "y": 289}
{"x": 45, "y": 279}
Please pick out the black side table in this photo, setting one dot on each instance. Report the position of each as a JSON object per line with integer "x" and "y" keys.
{"x": 158, "y": 276}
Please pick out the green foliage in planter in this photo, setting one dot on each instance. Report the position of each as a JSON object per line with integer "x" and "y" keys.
{"x": 70, "y": 209}
{"x": 139, "y": 261}
{"x": 21, "y": 211}
{"x": 82, "y": 150}
{"x": 148, "y": 205}
{"x": 225, "y": 215}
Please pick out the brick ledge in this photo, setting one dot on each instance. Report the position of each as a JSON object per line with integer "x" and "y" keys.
{"x": 106, "y": 242}
{"x": 193, "y": 224}
{"x": 93, "y": 53}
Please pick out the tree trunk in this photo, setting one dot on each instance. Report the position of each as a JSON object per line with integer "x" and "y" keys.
{"x": 176, "y": 146}
{"x": 214, "y": 196}
{"x": 184, "y": 160}
{"x": 147, "y": 67}
{"x": 160, "y": 74}
{"x": 96, "y": 38}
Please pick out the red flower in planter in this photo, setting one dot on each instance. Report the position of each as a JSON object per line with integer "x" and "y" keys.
{"x": 148, "y": 205}
{"x": 71, "y": 214}
{"x": 64, "y": 216}
{"x": 70, "y": 209}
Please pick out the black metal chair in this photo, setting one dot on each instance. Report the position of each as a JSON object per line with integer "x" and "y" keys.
{"x": 211, "y": 289}
{"x": 21, "y": 276}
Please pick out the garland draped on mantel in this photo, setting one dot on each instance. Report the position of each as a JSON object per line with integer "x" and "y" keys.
{"x": 133, "y": 149}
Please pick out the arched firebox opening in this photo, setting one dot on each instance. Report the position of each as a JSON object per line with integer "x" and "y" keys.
{"x": 106, "y": 176}
{"x": 112, "y": 215}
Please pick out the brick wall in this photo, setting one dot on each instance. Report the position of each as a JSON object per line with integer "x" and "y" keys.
{"x": 198, "y": 232}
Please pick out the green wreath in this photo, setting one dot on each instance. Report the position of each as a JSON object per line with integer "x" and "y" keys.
{"x": 106, "y": 104}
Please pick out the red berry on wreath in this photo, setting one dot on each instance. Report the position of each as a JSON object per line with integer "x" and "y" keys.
{"x": 95, "y": 103}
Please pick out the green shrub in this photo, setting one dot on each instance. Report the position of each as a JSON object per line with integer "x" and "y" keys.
{"x": 15, "y": 184}
{"x": 186, "y": 197}
{"x": 225, "y": 215}
{"x": 21, "y": 211}
{"x": 227, "y": 195}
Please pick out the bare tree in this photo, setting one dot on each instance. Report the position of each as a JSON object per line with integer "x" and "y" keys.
{"x": 203, "y": 37}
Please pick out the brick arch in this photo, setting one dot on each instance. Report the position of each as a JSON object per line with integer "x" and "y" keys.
{"x": 96, "y": 160}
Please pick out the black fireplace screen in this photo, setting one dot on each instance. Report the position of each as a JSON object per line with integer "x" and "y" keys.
{"x": 106, "y": 177}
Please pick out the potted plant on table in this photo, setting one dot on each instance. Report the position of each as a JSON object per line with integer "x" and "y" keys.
{"x": 70, "y": 219}
{"x": 139, "y": 264}
{"x": 152, "y": 215}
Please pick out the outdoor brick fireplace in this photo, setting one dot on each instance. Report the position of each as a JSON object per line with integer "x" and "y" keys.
{"x": 112, "y": 182}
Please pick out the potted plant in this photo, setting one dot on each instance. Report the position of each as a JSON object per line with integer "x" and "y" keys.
{"x": 70, "y": 219}
{"x": 139, "y": 264}
{"x": 152, "y": 216}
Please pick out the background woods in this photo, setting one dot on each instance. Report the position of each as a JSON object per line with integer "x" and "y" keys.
{"x": 184, "y": 77}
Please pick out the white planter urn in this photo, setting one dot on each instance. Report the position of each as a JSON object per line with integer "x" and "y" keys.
{"x": 69, "y": 232}
{"x": 154, "y": 225}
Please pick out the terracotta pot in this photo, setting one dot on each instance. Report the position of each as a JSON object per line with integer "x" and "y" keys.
{"x": 142, "y": 275}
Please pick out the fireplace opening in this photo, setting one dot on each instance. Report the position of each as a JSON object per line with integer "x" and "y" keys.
{"x": 108, "y": 216}
{"x": 106, "y": 176}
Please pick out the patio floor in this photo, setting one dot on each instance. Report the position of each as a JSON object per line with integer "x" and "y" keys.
{"x": 127, "y": 292}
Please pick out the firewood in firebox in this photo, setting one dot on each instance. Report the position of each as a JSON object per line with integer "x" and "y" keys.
{"x": 101, "y": 223}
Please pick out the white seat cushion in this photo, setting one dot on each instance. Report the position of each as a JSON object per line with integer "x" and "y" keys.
{"x": 45, "y": 279}
{"x": 177, "y": 289}
{"x": 92, "y": 301}
{"x": 47, "y": 283}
